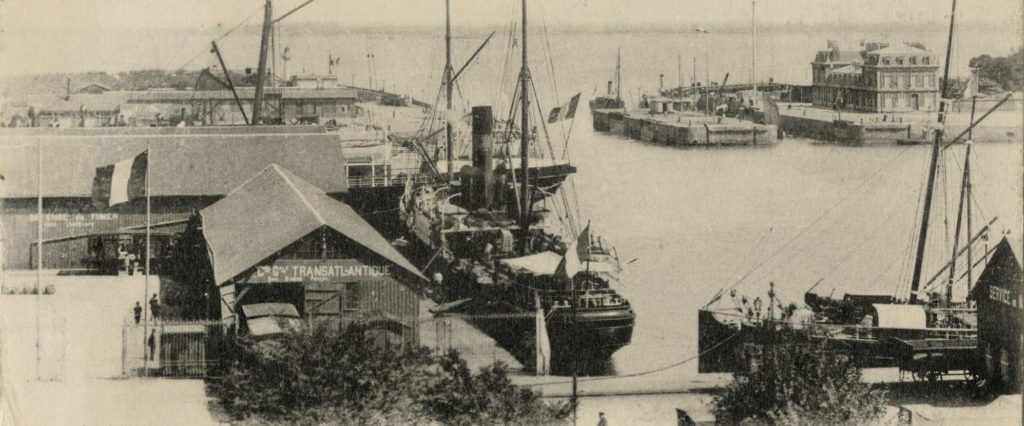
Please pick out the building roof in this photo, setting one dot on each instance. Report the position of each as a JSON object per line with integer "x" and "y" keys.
{"x": 93, "y": 102}
{"x": 244, "y": 93}
{"x": 240, "y": 236}
{"x": 190, "y": 161}
{"x": 1004, "y": 266}
{"x": 310, "y": 93}
{"x": 900, "y": 49}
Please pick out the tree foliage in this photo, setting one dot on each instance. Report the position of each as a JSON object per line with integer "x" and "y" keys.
{"x": 325, "y": 376}
{"x": 1007, "y": 73}
{"x": 799, "y": 384}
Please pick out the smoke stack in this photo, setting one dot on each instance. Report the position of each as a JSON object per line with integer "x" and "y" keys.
{"x": 609, "y": 88}
{"x": 67, "y": 90}
{"x": 483, "y": 147}
{"x": 661, "y": 82}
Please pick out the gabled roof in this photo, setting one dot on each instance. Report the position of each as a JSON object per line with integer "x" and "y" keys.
{"x": 1004, "y": 266}
{"x": 274, "y": 209}
{"x": 190, "y": 161}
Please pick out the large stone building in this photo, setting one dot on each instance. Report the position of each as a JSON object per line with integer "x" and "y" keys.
{"x": 876, "y": 77}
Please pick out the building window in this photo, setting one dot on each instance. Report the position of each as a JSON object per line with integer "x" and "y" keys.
{"x": 885, "y": 60}
{"x": 352, "y": 297}
{"x": 913, "y": 60}
{"x": 925, "y": 60}
{"x": 918, "y": 82}
{"x": 906, "y": 80}
{"x": 899, "y": 60}
{"x": 893, "y": 83}
{"x": 931, "y": 80}
{"x": 308, "y": 109}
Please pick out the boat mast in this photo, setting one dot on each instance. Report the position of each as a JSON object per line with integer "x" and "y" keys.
{"x": 967, "y": 187}
{"x": 257, "y": 102}
{"x": 753, "y": 45}
{"x": 964, "y": 193}
{"x": 448, "y": 88}
{"x": 524, "y": 145}
{"x": 618, "y": 76}
{"x": 926, "y": 211}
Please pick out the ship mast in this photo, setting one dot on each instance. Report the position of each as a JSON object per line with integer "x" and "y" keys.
{"x": 926, "y": 211}
{"x": 257, "y": 103}
{"x": 448, "y": 88}
{"x": 618, "y": 76}
{"x": 524, "y": 146}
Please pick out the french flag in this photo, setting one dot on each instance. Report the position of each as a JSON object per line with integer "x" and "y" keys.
{"x": 122, "y": 181}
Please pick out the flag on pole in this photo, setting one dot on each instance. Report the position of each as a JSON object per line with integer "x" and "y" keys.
{"x": 574, "y": 254}
{"x": 122, "y": 181}
{"x": 565, "y": 111}
{"x": 543, "y": 344}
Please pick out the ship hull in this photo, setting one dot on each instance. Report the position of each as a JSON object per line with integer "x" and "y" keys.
{"x": 730, "y": 347}
{"x": 599, "y": 334}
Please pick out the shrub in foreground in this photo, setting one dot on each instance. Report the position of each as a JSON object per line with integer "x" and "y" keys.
{"x": 800, "y": 384}
{"x": 325, "y": 376}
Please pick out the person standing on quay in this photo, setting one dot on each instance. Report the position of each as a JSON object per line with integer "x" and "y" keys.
{"x": 602, "y": 421}
{"x": 154, "y": 307}
{"x": 138, "y": 312}
{"x": 151, "y": 342}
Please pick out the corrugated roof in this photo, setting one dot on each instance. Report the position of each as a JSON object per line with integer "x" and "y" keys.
{"x": 197, "y": 161}
{"x": 240, "y": 236}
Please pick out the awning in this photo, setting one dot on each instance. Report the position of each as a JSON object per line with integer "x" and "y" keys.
{"x": 256, "y": 310}
{"x": 900, "y": 316}
{"x": 546, "y": 263}
{"x": 274, "y": 209}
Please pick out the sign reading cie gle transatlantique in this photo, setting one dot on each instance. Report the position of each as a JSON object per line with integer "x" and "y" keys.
{"x": 318, "y": 271}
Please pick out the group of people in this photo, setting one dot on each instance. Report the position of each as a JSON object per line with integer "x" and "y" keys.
{"x": 154, "y": 309}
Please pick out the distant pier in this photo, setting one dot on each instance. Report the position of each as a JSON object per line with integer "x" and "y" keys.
{"x": 684, "y": 128}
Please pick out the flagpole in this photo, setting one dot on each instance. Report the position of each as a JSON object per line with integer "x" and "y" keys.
{"x": 39, "y": 246}
{"x": 146, "y": 280}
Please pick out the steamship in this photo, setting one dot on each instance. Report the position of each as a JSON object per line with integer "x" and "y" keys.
{"x": 501, "y": 253}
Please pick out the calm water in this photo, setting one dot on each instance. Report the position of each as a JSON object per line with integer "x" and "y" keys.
{"x": 695, "y": 220}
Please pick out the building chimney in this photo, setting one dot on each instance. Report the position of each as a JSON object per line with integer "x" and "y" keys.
{"x": 661, "y": 82}
{"x": 609, "y": 88}
{"x": 483, "y": 156}
{"x": 67, "y": 89}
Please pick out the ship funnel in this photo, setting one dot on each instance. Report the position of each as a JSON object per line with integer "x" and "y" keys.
{"x": 483, "y": 155}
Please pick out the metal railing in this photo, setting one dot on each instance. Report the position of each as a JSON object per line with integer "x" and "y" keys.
{"x": 171, "y": 348}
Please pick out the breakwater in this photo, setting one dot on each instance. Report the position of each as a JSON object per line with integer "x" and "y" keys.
{"x": 683, "y": 129}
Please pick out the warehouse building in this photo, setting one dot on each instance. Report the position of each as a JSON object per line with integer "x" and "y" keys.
{"x": 277, "y": 239}
{"x": 190, "y": 169}
{"x": 1000, "y": 299}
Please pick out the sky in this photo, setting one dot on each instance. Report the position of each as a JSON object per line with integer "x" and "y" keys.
{"x": 26, "y": 16}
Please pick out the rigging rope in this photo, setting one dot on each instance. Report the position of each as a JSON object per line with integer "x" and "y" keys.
{"x": 642, "y": 373}
{"x": 820, "y": 217}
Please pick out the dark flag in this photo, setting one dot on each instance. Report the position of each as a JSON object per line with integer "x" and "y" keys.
{"x": 122, "y": 181}
{"x": 575, "y": 254}
{"x": 565, "y": 111}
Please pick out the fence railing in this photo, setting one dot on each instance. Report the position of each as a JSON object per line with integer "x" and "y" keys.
{"x": 171, "y": 348}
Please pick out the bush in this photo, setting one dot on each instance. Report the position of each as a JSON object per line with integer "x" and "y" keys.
{"x": 800, "y": 384}
{"x": 322, "y": 375}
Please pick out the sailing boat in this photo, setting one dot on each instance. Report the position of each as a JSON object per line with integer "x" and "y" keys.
{"x": 878, "y": 330}
{"x": 608, "y": 101}
{"x": 496, "y": 254}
